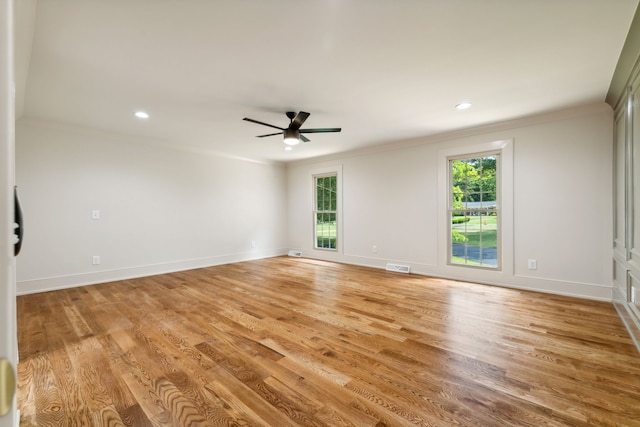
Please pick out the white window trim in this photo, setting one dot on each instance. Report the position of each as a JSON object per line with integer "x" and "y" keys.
{"x": 506, "y": 196}
{"x": 328, "y": 170}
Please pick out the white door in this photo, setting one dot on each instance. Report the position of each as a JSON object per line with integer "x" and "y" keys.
{"x": 8, "y": 341}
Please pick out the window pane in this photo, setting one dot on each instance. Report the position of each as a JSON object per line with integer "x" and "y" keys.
{"x": 489, "y": 196}
{"x": 489, "y": 201}
{"x": 318, "y": 194}
{"x": 488, "y": 184}
{"x": 489, "y": 165}
{"x": 474, "y": 199}
{"x": 458, "y": 173}
{"x": 326, "y": 231}
{"x": 474, "y": 239}
{"x": 334, "y": 201}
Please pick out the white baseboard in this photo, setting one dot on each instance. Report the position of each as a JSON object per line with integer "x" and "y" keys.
{"x": 558, "y": 287}
{"x": 46, "y": 284}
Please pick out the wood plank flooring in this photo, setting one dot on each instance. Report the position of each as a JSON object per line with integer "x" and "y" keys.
{"x": 290, "y": 341}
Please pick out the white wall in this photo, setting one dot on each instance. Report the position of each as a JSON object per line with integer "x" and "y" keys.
{"x": 560, "y": 208}
{"x": 161, "y": 209}
{"x": 165, "y": 210}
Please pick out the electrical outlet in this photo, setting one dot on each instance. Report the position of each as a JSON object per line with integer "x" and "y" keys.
{"x": 253, "y": 243}
{"x": 374, "y": 249}
{"x": 533, "y": 264}
{"x": 96, "y": 260}
{"x": 95, "y": 214}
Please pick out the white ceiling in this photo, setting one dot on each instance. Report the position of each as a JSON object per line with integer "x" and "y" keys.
{"x": 382, "y": 70}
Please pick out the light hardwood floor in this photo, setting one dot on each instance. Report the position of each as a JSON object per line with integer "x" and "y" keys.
{"x": 289, "y": 341}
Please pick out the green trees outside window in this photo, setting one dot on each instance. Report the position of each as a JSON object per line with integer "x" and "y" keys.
{"x": 474, "y": 210}
{"x": 326, "y": 207}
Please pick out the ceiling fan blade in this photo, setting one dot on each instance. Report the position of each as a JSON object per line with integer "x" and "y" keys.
{"x": 262, "y": 123}
{"x": 304, "y": 138}
{"x": 299, "y": 120}
{"x": 269, "y": 134}
{"x": 320, "y": 130}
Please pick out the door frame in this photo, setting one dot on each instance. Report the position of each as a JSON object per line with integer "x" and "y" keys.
{"x": 8, "y": 324}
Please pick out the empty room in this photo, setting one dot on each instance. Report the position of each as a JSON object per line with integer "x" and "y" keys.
{"x": 320, "y": 213}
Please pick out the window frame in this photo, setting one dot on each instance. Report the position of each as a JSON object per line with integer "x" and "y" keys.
{"x": 329, "y": 174}
{"x": 497, "y": 209}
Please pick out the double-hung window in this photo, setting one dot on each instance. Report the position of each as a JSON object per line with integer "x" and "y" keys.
{"x": 326, "y": 211}
{"x": 474, "y": 210}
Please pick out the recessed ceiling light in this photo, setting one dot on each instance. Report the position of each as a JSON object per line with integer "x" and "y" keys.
{"x": 141, "y": 115}
{"x": 463, "y": 105}
{"x": 288, "y": 148}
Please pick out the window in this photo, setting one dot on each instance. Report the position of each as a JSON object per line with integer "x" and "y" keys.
{"x": 325, "y": 212}
{"x": 474, "y": 226}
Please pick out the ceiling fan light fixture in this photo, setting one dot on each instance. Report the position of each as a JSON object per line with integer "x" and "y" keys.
{"x": 291, "y": 137}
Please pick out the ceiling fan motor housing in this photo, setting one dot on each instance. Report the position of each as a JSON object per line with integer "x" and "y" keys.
{"x": 291, "y": 136}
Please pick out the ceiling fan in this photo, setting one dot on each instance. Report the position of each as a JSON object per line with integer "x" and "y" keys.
{"x": 293, "y": 133}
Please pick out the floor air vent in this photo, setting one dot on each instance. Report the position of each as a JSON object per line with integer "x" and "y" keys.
{"x": 398, "y": 268}
{"x": 295, "y": 253}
